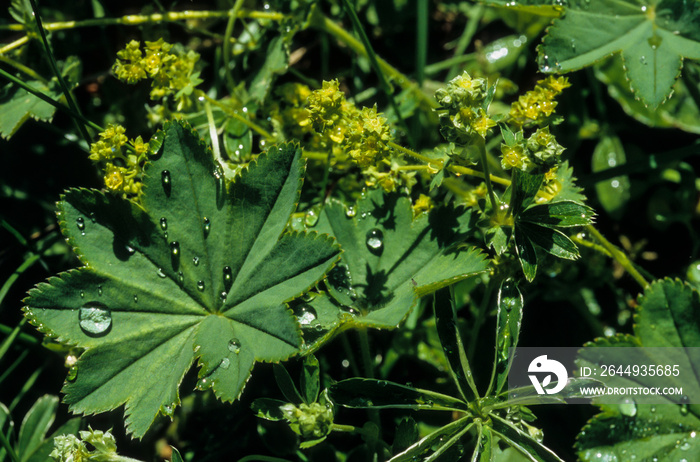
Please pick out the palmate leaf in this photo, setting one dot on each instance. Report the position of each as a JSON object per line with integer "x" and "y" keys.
{"x": 668, "y": 316}
{"x": 199, "y": 272}
{"x": 390, "y": 259}
{"x": 653, "y": 37}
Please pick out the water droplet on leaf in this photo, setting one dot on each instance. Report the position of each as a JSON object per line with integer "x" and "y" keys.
{"x": 374, "y": 241}
{"x": 175, "y": 249}
{"x": 164, "y": 223}
{"x": 225, "y": 363}
{"x": 307, "y": 315}
{"x": 228, "y": 277}
{"x": 160, "y": 273}
{"x": 628, "y": 407}
{"x": 195, "y": 261}
{"x": 166, "y": 182}
{"x": 80, "y": 223}
{"x": 234, "y": 345}
{"x": 206, "y": 226}
{"x": 95, "y": 318}
{"x": 200, "y": 285}
{"x": 311, "y": 218}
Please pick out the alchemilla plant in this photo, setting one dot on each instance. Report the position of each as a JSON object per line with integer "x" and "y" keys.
{"x": 315, "y": 231}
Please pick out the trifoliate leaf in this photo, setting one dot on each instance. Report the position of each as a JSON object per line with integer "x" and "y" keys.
{"x": 668, "y": 315}
{"x": 653, "y": 37}
{"x": 390, "y": 259}
{"x": 199, "y": 272}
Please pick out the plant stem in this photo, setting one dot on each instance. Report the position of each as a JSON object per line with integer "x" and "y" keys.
{"x": 386, "y": 86}
{"x": 249, "y": 123}
{"x": 8, "y": 447}
{"x": 227, "y": 44}
{"x": 57, "y": 72}
{"x": 466, "y": 38}
{"x": 326, "y": 25}
{"x": 487, "y": 177}
{"x": 619, "y": 256}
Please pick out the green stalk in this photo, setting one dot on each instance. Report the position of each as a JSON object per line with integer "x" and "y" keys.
{"x": 487, "y": 177}
{"x": 466, "y": 38}
{"x": 227, "y": 44}
{"x": 386, "y": 86}
{"x": 324, "y": 24}
{"x": 619, "y": 256}
{"x": 8, "y": 447}
{"x": 57, "y": 72}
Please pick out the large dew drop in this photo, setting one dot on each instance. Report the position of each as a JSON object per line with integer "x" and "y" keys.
{"x": 80, "y": 223}
{"x": 228, "y": 277}
{"x": 375, "y": 242}
{"x": 95, "y": 318}
{"x": 234, "y": 345}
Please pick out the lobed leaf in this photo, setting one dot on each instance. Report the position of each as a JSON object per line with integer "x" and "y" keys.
{"x": 668, "y": 315}
{"x": 390, "y": 259}
{"x": 199, "y": 272}
{"x": 653, "y": 37}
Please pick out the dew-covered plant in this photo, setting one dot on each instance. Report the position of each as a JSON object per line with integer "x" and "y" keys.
{"x": 222, "y": 206}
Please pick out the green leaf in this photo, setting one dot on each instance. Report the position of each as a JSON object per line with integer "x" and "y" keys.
{"x": 668, "y": 315}
{"x": 563, "y": 214}
{"x": 175, "y": 457}
{"x": 439, "y": 440}
{"x": 524, "y": 190}
{"x": 452, "y": 345}
{"x": 508, "y": 320}
{"x": 268, "y": 408}
{"x": 390, "y": 259}
{"x": 286, "y": 385}
{"x": 380, "y": 394}
{"x": 522, "y": 441}
{"x": 18, "y": 105}
{"x": 652, "y": 36}
{"x": 550, "y": 240}
{"x": 41, "y": 454}
{"x": 199, "y": 271}
{"x": 35, "y": 425}
{"x": 276, "y": 62}
{"x": 310, "y": 379}
{"x": 680, "y": 112}
{"x": 238, "y": 139}
{"x": 613, "y": 193}
{"x": 526, "y": 253}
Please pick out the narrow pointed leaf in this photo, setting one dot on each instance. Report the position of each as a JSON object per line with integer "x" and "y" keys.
{"x": 452, "y": 345}
{"x": 550, "y": 240}
{"x": 310, "y": 379}
{"x": 376, "y": 394}
{"x": 508, "y": 320}
{"x": 435, "y": 440}
{"x": 36, "y": 424}
{"x": 525, "y": 187}
{"x": 526, "y": 253}
{"x": 484, "y": 445}
{"x": 522, "y": 441}
{"x": 286, "y": 385}
{"x": 200, "y": 271}
{"x": 559, "y": 214}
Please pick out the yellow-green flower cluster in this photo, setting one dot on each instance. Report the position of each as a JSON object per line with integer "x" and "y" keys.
{"x": 363, "y": 134}
{"x": 536, "y": 106}
{"x": 325, "y": 107}
{"x": 540, "y": 152}
{"x": 171, "y": 68}
{"x": 310, "y": 421}
{"x": 122, "y": 171}
{"x": 462, "y": 112}
{"x": 70, "y": 448}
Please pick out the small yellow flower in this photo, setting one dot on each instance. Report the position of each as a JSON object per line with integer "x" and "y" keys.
{"x": 140, "y": 147}
{"x": 556, "y": 84}
{"x": 513, "y": 156}
{"x": 483, "y": 124}
{"x": 114, "y": 178}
